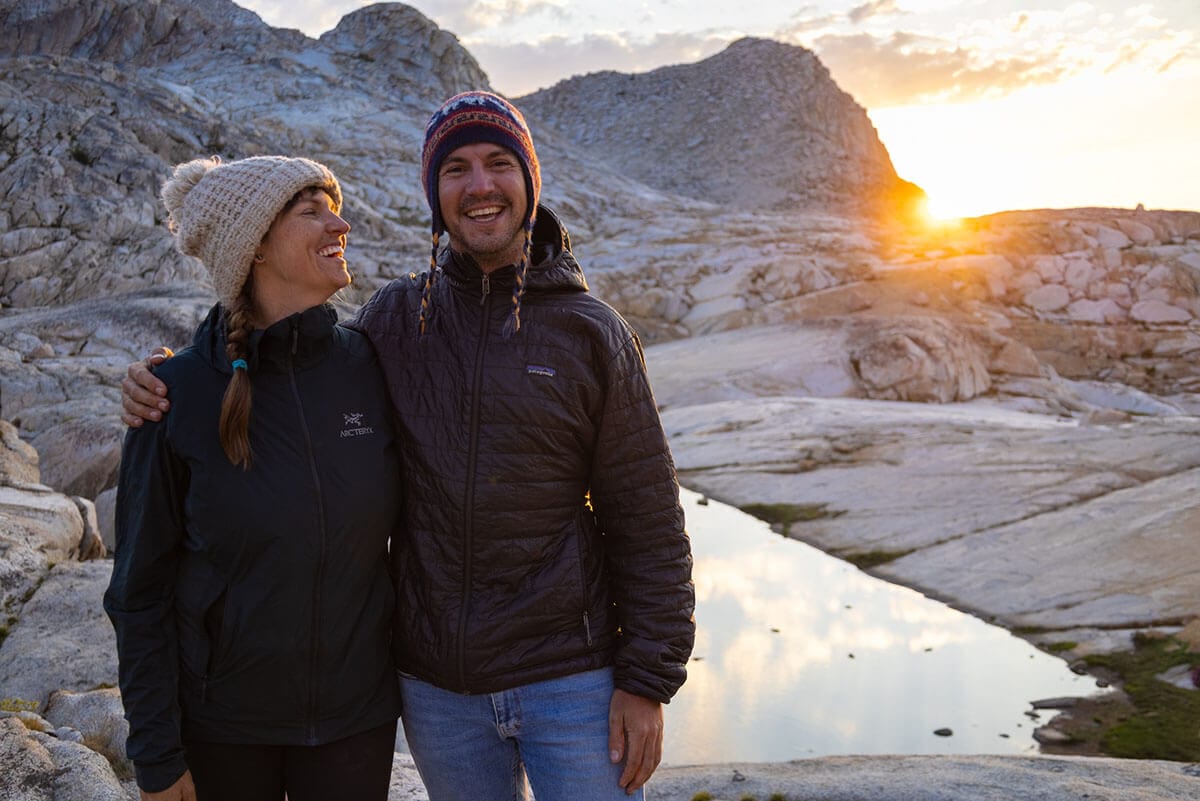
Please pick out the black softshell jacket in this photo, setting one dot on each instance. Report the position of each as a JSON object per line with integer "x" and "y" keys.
{"x": 254, "y": 606}
{"x": 506, "y": 575}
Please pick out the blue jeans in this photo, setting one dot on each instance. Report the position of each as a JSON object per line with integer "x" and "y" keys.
{"x": 482, "y": 747}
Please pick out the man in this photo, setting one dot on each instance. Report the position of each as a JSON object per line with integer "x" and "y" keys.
{"x": 544, "y": 596}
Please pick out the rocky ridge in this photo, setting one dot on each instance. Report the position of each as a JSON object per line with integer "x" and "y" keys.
{"x": 760, "y": 125}
{"x": 960, "y": 403}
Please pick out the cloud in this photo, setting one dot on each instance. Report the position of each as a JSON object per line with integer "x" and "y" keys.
{"x": 518, "y": 69}
{"x": 310, "y": 17}
{"x": 1172, "y": 61}
{"x": 875, "y": 8}
{"x": 986, "y": 58}
{"x": 1128, "y": 54}
{"x": 465, "y": 17}
{"x": 806, "y": 20}
{"x": 907, "y": 68}
{"x": 461, "y": 17}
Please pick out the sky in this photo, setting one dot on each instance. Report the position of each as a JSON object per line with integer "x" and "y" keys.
{"x": 988, "y": 105}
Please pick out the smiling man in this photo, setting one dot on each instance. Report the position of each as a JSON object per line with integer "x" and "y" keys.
{"x": 543, "y": 586}
{"x": 544, "y": 608}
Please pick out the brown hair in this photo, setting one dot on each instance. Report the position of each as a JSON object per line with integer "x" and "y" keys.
{"x": 235, "y": 406}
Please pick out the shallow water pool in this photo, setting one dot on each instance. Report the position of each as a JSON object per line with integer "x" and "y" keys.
{"x": 801, "y": 654}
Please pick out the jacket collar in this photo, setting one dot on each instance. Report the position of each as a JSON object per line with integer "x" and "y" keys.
{"x": 299, "y": 340}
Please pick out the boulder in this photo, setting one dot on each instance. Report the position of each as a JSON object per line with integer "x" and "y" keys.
{"x": 91, "y": 544}
{"x": 918, "y": 360}
{"x": 106, "y": 517}
{"x": 37, "y": 527}
{"x": 18, "y": 459}
{"x": 62, "y": 640}
{"x": 1158, "y": 311}
{"x": 1048, "y": 298}
{"x": 38, "y": 766}
{"x": 1107, "y": 237}
{"x": 81, "y": 457}
{"x": 100, "y": 718}
{"x": 1095, "y": 311}
{"x": 1118, "y": 293}
{"x": 1050, "y": 269}
{"x": 1079, "y": 274}
{"x": 1014, "y": 358}
{"x": 1137, "y": 232}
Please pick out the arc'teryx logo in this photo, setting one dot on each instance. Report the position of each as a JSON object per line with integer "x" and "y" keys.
{"x": 354, "y": 425}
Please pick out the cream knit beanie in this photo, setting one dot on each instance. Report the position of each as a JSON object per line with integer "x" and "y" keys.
{"x": 220, "y": 211}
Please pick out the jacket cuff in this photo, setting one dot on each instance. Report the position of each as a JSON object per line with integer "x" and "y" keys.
{"x": 652, "y": 687}
{"x": 158, "y": 776}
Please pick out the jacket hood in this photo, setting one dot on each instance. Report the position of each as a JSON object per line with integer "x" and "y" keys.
{"x": 300, "y": 339}
{"x": 553, "y": 267}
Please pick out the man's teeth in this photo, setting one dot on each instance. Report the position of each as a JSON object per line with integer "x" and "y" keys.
{"x": 330, "y": 250}
{"x": 486, "y": 212}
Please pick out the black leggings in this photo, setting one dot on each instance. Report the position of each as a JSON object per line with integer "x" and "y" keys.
{"x": 357, "y": 768}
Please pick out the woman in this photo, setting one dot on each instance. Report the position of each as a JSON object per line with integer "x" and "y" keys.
{"x": 250, "y": 592}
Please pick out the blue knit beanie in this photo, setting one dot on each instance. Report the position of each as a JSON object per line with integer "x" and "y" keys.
{"x": 466, "y": 119}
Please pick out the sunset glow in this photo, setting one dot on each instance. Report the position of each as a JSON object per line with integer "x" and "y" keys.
{"x": 986, "y": 106}
{"x": 1018, "y": 152}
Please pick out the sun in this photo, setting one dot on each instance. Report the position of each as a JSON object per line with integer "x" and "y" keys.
{"x": 938, "y": 215}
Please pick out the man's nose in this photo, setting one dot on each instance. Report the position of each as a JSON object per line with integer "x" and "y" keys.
{"x": 480, "y": 179}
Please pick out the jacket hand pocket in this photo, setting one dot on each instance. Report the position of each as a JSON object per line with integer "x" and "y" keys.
{"x": 200, "y": 616}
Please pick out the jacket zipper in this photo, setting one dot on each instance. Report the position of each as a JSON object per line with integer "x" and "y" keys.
{"x": 469, "y": 499}
{"x": 587, "y": 624}
{"x": 314, "y": 673}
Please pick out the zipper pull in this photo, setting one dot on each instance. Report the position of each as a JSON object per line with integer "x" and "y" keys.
{"x": 295, "y": 338}
{"x": 487, "y": 288}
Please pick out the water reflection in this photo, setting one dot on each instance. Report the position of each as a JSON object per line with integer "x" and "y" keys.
{"x": 800, "y": 654}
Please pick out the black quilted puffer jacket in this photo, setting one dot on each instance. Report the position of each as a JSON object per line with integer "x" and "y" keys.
{"x": 508, "y": 574}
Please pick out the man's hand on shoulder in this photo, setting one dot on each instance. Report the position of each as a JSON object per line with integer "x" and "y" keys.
{"x": 635, "y": 734}
{"x": 144, "y": 397}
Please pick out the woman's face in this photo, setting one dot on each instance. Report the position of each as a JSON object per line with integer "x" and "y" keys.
{"x": 303, "y": 254}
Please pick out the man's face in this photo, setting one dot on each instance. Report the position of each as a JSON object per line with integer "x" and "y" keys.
{"x": 481, "y": 192}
